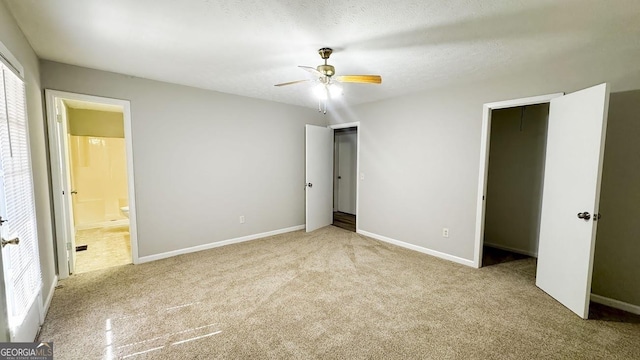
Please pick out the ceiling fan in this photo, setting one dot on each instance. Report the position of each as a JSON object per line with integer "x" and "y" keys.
{"x": 324, "y": 76}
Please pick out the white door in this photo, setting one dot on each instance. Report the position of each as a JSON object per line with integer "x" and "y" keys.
{"x": 573, "y": 168}
{"x": 20, "y": 257}
{"x": 319, "y": 175}
{"x": 346, "y": 144}
{"x": 68, "y": 229}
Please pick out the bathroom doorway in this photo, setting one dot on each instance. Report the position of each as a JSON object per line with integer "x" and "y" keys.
{"x": 92, "y": 169}
{"x": 98, "y": 172}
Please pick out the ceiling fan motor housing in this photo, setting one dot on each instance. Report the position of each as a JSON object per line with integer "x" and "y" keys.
{"x": 327, "y": 70}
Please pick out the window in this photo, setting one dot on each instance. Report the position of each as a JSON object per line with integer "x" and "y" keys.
{"x": 21, "y": 264}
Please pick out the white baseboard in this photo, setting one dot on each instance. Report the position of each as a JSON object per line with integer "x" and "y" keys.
{"x": 104, "y": 224}
{"x": 216, "y": 244}
{"x": 421, "y": 249}
{"x": 47, "y": 302}
{"x": 617, "y": 304}
{"x": 514, "y": 250}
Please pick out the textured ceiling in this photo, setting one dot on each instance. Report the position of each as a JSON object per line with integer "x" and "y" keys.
{"x": 245, "y": 46}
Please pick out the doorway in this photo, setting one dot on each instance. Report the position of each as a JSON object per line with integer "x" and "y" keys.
{"x": 514, "y": 185}
{"x": 345, "y": 175}
{"x": 92, "y": 176}
{"x": 97, "y": 169}
{"x": 483, "y": 182}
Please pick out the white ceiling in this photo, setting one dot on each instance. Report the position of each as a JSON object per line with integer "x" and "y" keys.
{"x": 245, "y": 46}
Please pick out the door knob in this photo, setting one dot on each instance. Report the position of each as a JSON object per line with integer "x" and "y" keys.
{"x": 14, "y": 241}
{"x": 73, "y": 192}
{"x": 584, "y": 215}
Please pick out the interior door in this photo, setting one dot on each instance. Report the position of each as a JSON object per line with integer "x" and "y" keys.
{"x": 573, "y": 169}
{"x": 318, "y": 175}
{"x": 66, "y": 181}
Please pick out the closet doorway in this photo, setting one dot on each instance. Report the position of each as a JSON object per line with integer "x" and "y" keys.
{"x": 514, "y": 185}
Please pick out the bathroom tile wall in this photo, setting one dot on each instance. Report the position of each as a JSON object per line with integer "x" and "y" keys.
{"x": 99, "y": 175}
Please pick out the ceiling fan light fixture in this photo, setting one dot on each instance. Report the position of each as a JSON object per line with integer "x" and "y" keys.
{"x": 321, "y": 91}
{"x": 326, "y": 91}
{"x": 335, "y": 90}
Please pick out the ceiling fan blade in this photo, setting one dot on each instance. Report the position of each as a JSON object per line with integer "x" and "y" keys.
{"x": 312, "y": 70}
{"x": 292, "y": 82}
{"x": 365, "y": 79}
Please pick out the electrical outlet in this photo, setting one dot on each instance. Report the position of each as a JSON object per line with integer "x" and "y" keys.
{"x": 445, "y": 232}
{"x": 241, "y": 219}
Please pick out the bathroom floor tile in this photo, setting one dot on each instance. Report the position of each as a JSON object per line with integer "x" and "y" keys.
{"x": 107, "y": 247}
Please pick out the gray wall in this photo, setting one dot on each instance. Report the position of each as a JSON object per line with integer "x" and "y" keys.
{"x": 203, "y": 158}
{"x": 616, "y": 264}
{"x": 514, "y": 182}
{"x": 419, "y": 155}
{"x": 12, "y": 37}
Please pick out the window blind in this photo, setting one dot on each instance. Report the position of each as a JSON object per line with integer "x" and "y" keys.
{"x": 21, "y": 263}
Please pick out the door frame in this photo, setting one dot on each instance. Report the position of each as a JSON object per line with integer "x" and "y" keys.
{"x": 355, "y": 124}
{"x": 60, "y": 202}
{"x": 484, "y": 161}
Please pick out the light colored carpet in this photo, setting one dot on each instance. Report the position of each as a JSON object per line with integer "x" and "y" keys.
{"x": 107, "y": 247}
{"x": 330, "y": 294}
